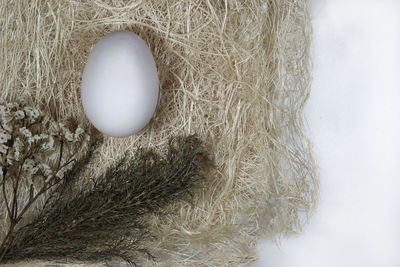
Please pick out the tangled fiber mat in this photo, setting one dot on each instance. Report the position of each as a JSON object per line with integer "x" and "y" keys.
{"x": 236, "y": 73}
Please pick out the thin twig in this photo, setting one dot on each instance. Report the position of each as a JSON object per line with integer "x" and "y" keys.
{"x": 5, "y": 198}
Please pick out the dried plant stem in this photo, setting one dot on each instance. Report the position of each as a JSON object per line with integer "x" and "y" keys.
{"x": 13, "y": 215}
{"x": 105, "y": 221}
{"x": 7, "y": 241}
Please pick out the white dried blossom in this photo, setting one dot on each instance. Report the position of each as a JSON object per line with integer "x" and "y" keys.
{"x": 35, "y": 113}
{"x": 31, "y": 140}
{"x": 19, "y": 115}
{"x": 78, "y": 132}
{"x": 3, "y": 148}
{"x": 44, "y": 136}
{"x": 18, "y": 144}
{"x": 17, "y": 155}
{"x": 17, "y": 123}
{"x": 69, "y": 136}
{"x": 28, "y": 111}
{"x": 6, "y": 127}
{"x": 65, "y": 132}
{"x": 47, "y": 171}
{"x": 61, "y": 173}
{"x": 4, "y": 137}
{"x": 10, "y": 158}
{"x": 49, "y": 144}
{"x": 40, "y": 137}
{"x": 17, "y": 147}
{"x": 32, "y": 112}
{"x": 25, "y": 132}
{"x": 36, "y": 138}
{"x": 29, "y": 166}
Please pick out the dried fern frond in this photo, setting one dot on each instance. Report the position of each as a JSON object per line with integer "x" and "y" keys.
{"x": 104, "y": 221}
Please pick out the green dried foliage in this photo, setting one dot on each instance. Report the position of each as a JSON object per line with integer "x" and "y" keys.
{"x": 105, "y": 220}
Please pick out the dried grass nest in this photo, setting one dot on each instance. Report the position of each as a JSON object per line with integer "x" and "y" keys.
{"x": 236, "y": 73}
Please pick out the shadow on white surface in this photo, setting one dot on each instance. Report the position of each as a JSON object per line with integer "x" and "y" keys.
{"x": 353, "y": 118}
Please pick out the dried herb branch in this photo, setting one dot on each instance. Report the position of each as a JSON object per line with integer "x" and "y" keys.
{"x": 105, "y": 221}
{"x": 35, "y": 154}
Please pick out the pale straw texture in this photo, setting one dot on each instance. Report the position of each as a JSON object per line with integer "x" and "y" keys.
{"x": 237, "y": 73}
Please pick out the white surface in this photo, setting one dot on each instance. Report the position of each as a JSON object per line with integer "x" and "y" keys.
{"x": 120, "y": 84}
{"x": 354, "y": 116}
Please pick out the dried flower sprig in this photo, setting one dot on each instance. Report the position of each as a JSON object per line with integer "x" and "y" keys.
{"x": 105, "y": 220}
{"x": 35, "y": 154}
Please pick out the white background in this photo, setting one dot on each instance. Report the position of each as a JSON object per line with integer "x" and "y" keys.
{"x": 353, "y": 118}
